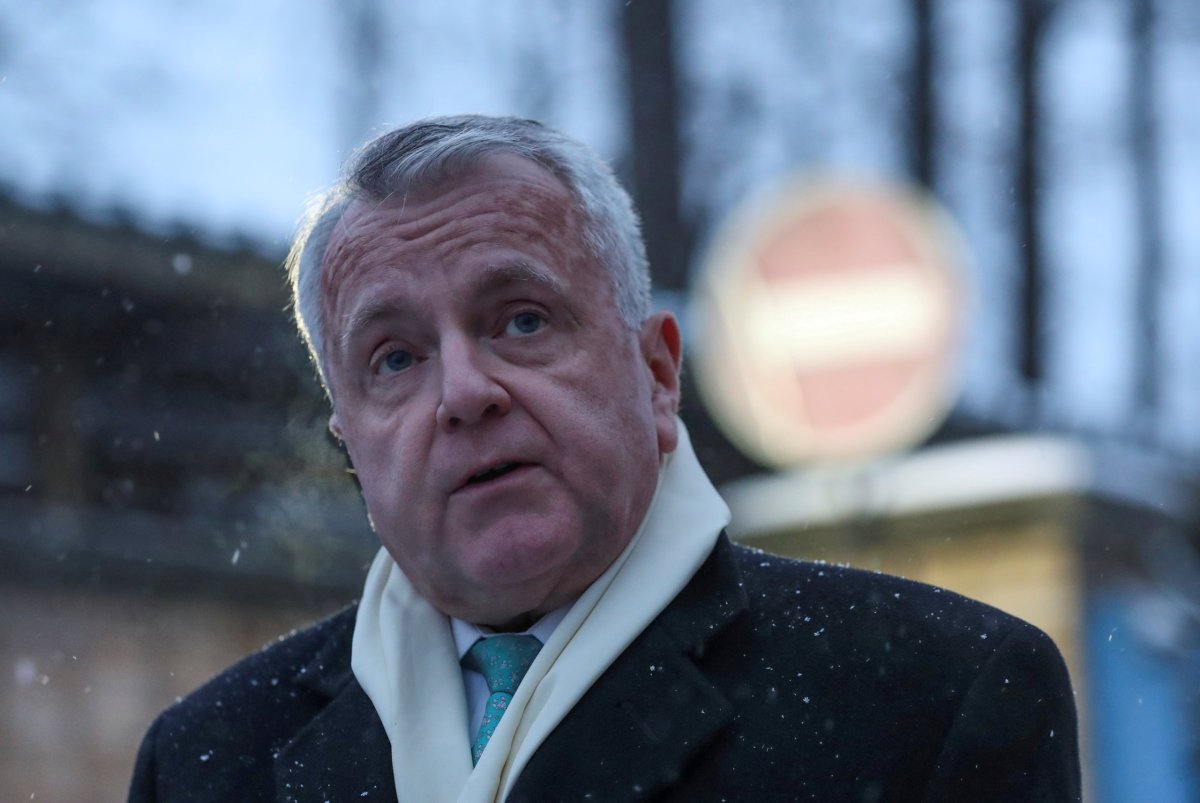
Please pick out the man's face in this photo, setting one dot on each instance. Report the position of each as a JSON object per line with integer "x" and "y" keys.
{"x": 506, "y": 426}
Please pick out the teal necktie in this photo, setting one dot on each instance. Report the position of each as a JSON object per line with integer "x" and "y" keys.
{"x": 503, "y": 661}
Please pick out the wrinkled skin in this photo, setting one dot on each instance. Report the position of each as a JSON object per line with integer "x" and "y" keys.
{"x": 469, "y": 328}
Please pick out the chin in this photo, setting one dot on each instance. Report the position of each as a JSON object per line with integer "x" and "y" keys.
{"x": 521, "y": 549}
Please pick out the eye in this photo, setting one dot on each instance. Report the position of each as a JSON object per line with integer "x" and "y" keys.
{"x": 395, "y": 361}
{"x": 524, "y": 323}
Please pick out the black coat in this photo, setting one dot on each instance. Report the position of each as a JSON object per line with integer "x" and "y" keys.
{"x": 764, "y": 680}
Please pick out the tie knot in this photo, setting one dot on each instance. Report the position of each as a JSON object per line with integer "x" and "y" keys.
{"x": 502, "y": 660}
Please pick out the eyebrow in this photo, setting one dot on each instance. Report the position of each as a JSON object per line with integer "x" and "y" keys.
{"x": 493, "y": 276}
{"x": 488, "y": 279}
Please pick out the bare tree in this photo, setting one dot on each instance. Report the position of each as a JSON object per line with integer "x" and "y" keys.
{"x": 648, "y": 30}
{"x": 362, "y": 22}
{"x": 1144, "y": 136}
{"x": 922, "y": 121}
{"x": 1032, "y": 24}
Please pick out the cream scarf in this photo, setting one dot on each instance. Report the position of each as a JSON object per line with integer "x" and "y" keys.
{"x": 404, "y": 656}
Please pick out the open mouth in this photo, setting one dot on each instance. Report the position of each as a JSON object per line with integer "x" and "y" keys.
{"x": 495, "y": 472}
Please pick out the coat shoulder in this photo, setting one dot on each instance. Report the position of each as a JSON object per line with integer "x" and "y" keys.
{"x": 785, "y": 588}
{"x": 980, "y": 699}
{"x": 233, "y": 727}
{"x": 317, "y": 655}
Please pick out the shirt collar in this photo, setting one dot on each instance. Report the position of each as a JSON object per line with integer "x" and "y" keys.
{"x": 466, "y": 633}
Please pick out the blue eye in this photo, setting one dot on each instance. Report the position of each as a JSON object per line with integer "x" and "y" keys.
{"x": 524, "y": 323}
{"x": 396, "y": 361}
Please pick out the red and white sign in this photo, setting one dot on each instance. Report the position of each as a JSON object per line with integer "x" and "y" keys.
{"x": 827, "y": 322}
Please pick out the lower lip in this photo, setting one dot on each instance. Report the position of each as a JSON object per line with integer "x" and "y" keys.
{"x": 504, "y": 480}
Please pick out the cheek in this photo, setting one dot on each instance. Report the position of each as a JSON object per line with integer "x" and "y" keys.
{"x": 620, "y": 420}
{"x": 378, "y": 461}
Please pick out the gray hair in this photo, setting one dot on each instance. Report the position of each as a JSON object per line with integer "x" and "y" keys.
{"x": 430, "y": 151}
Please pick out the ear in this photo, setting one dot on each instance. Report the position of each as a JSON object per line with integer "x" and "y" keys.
{"x": 663, "y": 353}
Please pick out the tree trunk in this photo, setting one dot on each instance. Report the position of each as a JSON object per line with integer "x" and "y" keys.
{"x": 648, "y": 33}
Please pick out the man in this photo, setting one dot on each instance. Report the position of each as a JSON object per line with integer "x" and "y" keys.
{"x": 476, "y": 299}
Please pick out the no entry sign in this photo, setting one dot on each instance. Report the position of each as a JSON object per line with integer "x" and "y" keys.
{"x": 826, "y": 323}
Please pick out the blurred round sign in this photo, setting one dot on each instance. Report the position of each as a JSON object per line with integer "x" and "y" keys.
{"x": 826, "y": 323}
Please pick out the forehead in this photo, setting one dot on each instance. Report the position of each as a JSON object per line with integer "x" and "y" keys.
{"x": 502, "y": 202}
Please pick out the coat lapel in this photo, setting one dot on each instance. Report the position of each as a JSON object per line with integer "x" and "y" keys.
{"x": 653, "y": 711}
{"x": 343, "y": 753}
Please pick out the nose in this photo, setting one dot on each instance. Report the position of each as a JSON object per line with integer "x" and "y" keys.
{"x": 470, "y": 394}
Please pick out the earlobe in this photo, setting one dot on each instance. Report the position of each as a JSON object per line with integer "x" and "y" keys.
{"x": 662, "y": 349}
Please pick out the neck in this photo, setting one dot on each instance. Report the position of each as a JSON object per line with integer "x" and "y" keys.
{"x": 517, "y": 624}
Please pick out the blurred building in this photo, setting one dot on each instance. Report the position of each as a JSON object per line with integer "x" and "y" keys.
{"x": 168, "y": 496}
